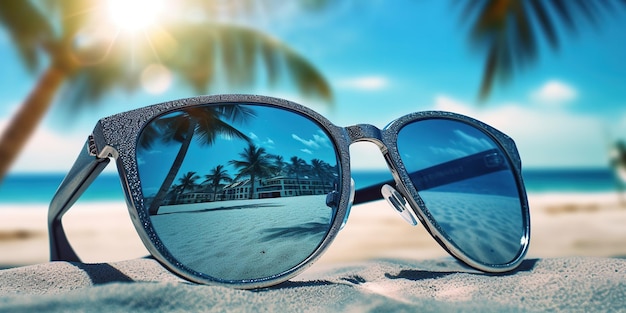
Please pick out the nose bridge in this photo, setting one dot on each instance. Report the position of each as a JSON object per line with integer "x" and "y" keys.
{"x": 365, "y": 132}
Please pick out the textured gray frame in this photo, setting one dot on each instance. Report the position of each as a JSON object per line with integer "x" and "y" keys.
{"x": 389, "y": 139}
{"x": 116, "y": 137}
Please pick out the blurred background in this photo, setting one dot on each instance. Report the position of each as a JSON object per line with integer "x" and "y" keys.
{"x": 550, "y": 74}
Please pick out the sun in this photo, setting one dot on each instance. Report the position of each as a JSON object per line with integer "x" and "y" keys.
{"x": 135, "y": 15}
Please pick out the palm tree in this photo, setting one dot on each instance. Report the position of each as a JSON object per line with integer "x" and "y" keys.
{"x": 217, "y": 175}
{"x": 206, "y": 123}
{"x": 254, "y": 164}
{"x": 508, "y": 31}
{"x": 279, "y": 164}
{"x": 172, "y": 194}
{"x": 322, "y": 170}
{"x": 195, "y": 49}
{"x": 296, "y": 167}
{"x": 187, "y": 181}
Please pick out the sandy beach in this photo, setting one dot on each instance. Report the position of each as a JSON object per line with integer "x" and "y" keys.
{"x": 563, "y": 225}
{"x": 377, "y": 263}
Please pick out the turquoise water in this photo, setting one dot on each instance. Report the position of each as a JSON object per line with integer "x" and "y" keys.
{"x": 39, "y": 188}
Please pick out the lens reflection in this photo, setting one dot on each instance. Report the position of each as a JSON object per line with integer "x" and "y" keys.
{"x": 467, "y": 185}
{"x": 238, "y": 191}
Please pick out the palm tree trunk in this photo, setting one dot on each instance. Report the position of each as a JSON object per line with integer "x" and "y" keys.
{"x": 171, "y": 175}
{"x": 30, "y": 113}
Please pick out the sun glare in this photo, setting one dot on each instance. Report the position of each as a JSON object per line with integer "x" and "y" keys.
{"x": 135, "y": 15}
{"x": 156, "y": 79}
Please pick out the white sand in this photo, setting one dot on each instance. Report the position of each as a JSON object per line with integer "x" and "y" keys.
{"x": 487, "y": 227}
{"x": 562, "y": 225}
{"x": 246, "y": 239}
{"x": 417, "y": 275}
{"x": 556, "y": 285}
{"x": 98, "y": 232}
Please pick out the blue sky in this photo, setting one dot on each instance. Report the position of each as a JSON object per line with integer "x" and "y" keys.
{"x": 385, "y": 60}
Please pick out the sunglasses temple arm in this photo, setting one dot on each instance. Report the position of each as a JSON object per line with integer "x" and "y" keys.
{"x": 474, "y": 165}
{"x": 370, "y": 193}
{"x": 84, "y": 171}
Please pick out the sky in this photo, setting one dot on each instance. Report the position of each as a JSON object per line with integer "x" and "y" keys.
{"x": 386, "y": 59}
{"x": 307, "y": 141}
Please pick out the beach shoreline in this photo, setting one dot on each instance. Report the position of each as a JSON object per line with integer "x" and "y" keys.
{"x": 562, "y": 225}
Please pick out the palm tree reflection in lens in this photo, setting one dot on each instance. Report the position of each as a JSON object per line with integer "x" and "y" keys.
{"x": 216, "y": 177}
{"x": 271, "y": 216}
{"x": 205, "y": 123}
{"x": 254, "y": 164}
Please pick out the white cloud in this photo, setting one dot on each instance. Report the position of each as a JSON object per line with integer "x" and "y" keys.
{"x": 321, "y": 138}
{"x": 253, "y": 136}
{"x": 48, "y": 151}
{"x": 554, "y": 92}
{"x": 463, "y": 145}
{"x": 544, "y": 137}
{"x": 316, "y": 142}
{"x": 369, "y": 83}
{"x": 448, "y": 151}
{"x": 268, "y": 143}
{"x": 471, "y": 143}
{"x": 309, "y": 143}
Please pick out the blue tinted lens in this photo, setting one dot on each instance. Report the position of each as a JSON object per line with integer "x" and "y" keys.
{"x": 467, "y": 185}
{"x": 238, "y": 192}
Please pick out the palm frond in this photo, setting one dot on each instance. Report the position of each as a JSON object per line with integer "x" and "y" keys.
{"x": 509, "y": 31}
{"x": 241, "y": 51}
{"x": 72, "y": 14}
{"x": 28, "y": 28}
{"x": 546, "y": 24}
{"x": 201, "y": 55}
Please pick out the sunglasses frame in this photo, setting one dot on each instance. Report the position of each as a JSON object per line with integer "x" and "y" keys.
{"x": 117, "y": 136}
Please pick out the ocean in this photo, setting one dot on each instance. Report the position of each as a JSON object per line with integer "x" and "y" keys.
{"x": 39, "y": 188}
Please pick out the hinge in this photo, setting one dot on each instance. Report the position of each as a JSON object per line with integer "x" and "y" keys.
{"x": 93, "y": 150}
{"x": 106, "y": 152}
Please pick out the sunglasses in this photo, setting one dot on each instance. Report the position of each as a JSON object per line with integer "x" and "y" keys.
{"x": 248, "y": 191}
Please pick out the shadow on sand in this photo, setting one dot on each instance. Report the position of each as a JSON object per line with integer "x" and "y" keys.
{"x": 228, "y": 208}
{"x": 298, "y": 232}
